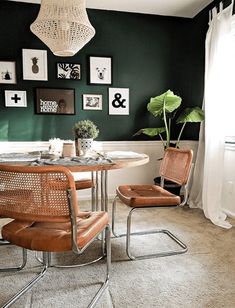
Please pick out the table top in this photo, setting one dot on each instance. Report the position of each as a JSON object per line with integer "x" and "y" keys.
{"x": 115, "y": 163}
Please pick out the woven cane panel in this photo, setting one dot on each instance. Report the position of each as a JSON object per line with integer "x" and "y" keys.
{"x": 176, "y": 165}
{"x": 33, "y": 196}
{"x": 63, "y": 25}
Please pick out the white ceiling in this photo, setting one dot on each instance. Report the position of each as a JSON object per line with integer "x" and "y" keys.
{"x": 181, "y": 8}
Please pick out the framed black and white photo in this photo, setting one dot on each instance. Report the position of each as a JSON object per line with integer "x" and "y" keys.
{"x": 118, "y": 101}
{"x": 15, "y": 98}
{"x": 100, "y": 70}
{"x": 92, "y": 101}
{"x": 69, "y": 71}
{"x": 34, "y": 64}
{"x": 55, "y": 101}
{"x": 8, "y": 72}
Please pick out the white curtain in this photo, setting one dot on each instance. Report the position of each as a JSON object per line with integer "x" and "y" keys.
{"x": 219, "y": 106}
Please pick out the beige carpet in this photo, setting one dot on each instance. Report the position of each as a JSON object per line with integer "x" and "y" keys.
{"x": 203, "y": 277}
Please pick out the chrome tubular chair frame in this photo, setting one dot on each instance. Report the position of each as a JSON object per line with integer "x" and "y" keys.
{"x": 182, "y": 247}
{"x": 129, "y": 233}
{"x": 46, "y": 257}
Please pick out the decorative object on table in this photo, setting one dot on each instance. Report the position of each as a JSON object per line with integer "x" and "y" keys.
{"x": 92, "y": 101}
{"x": 63, "y": 26}
{"x": 100, "y": 70}
{"x": 69, "y": 71}
{"x": 8, "y": 72}
{"x": 118, "y": 101}
{"x": 56, "y": 146}
{"x": 34, "y": 64}
{"x": 165, "y": 106}
{"x": 55, "y": 101}
{"x": 85, "y": 131}
{"x": 15, "y": 98}
{"x": 68, "y": 149}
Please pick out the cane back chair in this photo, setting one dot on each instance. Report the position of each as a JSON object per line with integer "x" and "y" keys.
{"x": 42, "y": 202}
{"x": 174, "y": 167}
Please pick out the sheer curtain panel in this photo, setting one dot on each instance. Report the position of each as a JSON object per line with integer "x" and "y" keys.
{"x": 219, "y": 106}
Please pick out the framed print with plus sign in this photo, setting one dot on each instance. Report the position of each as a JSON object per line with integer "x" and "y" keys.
{"x": 15, "y": 98}
{"x": 118, "y": 101}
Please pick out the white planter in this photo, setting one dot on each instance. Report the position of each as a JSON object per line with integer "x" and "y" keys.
{"x": 85, "y": 145}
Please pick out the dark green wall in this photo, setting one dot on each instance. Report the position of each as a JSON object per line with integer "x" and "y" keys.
{"x": 150, "y": 55}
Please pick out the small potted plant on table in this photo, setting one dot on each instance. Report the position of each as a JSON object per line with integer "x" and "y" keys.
{"x": 85, "y": 131}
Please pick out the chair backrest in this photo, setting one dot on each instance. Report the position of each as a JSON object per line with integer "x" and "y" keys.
{"x": 36, "y": 193}
{"x": 176, "y": 165}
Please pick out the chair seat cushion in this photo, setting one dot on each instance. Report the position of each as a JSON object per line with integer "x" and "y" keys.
{"x": 52, "y": 237}
{"x": 146, "y": 195}
{"x": 84, "y": 184}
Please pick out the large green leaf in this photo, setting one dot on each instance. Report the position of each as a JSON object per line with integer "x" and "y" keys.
{"x": 150, "y": 131}
{"x": 156, "y": 104}
{"x": 194, "y": 114}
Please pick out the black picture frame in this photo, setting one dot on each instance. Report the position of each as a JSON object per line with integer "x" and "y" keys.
{"x": 68, "y": 71}
{"x": 55, "y": 101}
{"x": 100, "y": 70}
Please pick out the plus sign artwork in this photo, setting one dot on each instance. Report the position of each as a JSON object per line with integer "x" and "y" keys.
{"x": 15, "y": 98}
{"x": 118, "y": 101}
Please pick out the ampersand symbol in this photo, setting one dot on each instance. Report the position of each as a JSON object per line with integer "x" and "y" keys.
{"x": 117, "y": 102}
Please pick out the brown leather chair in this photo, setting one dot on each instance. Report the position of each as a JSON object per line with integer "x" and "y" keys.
{"x": 175, "y": 167}
{"x": 43, "y": 203}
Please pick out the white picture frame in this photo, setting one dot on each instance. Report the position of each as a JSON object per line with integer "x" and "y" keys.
{"x": 15, "y": 98}
{"x": 8, "y": 72}
{"x": 118, "y": 101}
{"x": 92, "y": 101}
{"x": 100, "y": 70}
{"x": 34, "y": 64}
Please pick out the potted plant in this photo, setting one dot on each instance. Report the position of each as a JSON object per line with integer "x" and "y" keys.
{"x": 165, "y": 107}
{"x": 85, "y": 131}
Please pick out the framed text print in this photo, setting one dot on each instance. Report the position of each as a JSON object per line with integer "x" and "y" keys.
{"x": 15, "y": 98}
{"x": 34, "y": 64}
{"x": 119, "y": 101}
{"x": 100, "y": 70}
{"x": 7, "y": 72}
{"x": 55, "y": 101}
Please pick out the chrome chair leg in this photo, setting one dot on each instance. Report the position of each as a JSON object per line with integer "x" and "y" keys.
{"x": 4, "y": 242}
{"x": 159, "y": 254}
{"x": 46, "y": 263}
{"x": 108, "y": 265}
{"x": 18, "y": 268}
{"x": 113, "y": 218}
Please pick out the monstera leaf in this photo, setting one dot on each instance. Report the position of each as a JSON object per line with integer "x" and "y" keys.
{"x": 192, "y": 115}
{"x": 151, "y": 131}
{"x": 168, "y": 101}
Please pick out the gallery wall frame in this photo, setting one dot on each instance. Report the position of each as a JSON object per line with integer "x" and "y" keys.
{"x": 100, "y": 70}
{"x": 35, "y": 64}
{"x": 118, "y": 101}
{"x": 8, "y": 72}
{"x": 70, "y": 71}
{"x": 55, "y": 101}
{"x": 92, "y": 101}
{"x": 14, "y": 98}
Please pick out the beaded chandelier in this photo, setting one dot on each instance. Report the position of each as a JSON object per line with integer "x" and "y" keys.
{"x": 63, "y": 25}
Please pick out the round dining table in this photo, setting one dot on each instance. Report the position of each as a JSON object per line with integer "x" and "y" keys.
{"x": 98, "y": 167}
